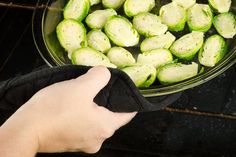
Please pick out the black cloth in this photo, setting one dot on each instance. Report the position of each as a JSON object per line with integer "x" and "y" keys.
{"x": 120, "y": 95}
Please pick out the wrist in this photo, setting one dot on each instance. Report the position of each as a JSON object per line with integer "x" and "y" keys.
{"x": 18, "y": 136}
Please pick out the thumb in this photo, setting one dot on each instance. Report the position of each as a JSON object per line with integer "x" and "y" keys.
{"x": 121, "y": 119}
{"x": 95, "y": 80}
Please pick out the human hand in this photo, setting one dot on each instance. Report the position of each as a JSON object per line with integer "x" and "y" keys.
{"x": 64, "y": 118}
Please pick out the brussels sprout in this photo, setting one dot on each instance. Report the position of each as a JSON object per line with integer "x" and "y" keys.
{"x": 225, "y": 25}
{"x": 71, "y": 35}
{"x": 148, "y": 24}
{"x": 98, "y": 40}
{"x": 114, "y": 4}
{"x": 221, "y": 6}
{"x": 142, "y": 75}
{"x": 121, "y": 31}
{"x": 76, "y": 9}
{"x": 187, "y": 46}
{"x": 200, "y": 18}
{"x": 94, "y": 2}
{"x": 98, "y": 18}
{"x": 156, "y": 58}
{"x": 176, "y": 72}
{"x": 185, "y": 3}
{"x": 213, "y": 51}
{"x": 90, "y": 57}
{"x": 158, "y": 42}
{"x": 174, "y": 16}
{"x": 134, "y": 7}
{"x": 120, "y": 57}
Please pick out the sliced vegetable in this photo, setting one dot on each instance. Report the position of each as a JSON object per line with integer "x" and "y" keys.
{"x": 148, "y": 24}
{"x": 156, "y": 58}
{"x": 172, "y": 73}
{"x": 71, "y": 35}
{"x": 99, "y": 41}
{"x": 98, "y": 18}
{"x": 142, "y": 75}
{"x": 121, "y": 31}
{"x": 76, "y": 9}
{"x": 158, "y": 42}
{"x": 114, "y": 4}
{"x": 221, "y": 6}
{"x": 213, "y": 51}
{"x": 187, "y": 46}
{"x": 200, "y": 18}
{"x": 185, "y": 3}
{"x": 90, "y": 57}
{"x": 135, "y": 7}
{"x": 94, "y": 2}
{"x": 174, "y": 16}
{"x": 225, "y": 25}
{"x": 120, "y": 57}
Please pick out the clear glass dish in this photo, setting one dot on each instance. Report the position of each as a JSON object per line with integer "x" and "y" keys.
{"x": 48, "y": 14}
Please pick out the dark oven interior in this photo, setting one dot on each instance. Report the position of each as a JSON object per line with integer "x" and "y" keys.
{"x": 201, "y": 122}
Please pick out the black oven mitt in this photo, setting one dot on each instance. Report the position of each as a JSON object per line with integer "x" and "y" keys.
{"x": 120, "y": 95}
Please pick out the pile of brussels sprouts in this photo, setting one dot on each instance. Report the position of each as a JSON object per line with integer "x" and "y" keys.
{"x": 102, "y": 37}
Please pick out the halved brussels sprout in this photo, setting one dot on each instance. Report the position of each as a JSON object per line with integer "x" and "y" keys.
{"x": 157, "y": 42}
{"x": 135, "y": 7}
{"x": 98, "y": 18}
{"x": 98, "y": 40}
{"x": 156, "y": 58}
{"x": 113, "y": 4}
{"x": 90, "y": 57}
{"x": 200, "y": 17}
{"x": 142, "y": 75}
{"x": 71, "y": 35}
{"x": 221, "y": 6}
{"x": 148, "y": 24}
{"x": 94, "y": 2}
{"x": 121, "y": 31}
{"x": 174, "y": 16}
{"x": 120, "y": 57}
{"x": 76, "y": 9}
{"x": 213, "y": 51}
{"x": 225, "y": 25}
{"x": 176, "y": 72}
{"x": 187, "y": 46}
{"x": 185, "y": 3}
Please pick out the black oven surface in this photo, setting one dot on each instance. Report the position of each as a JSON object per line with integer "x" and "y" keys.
{"x": 202, "y": 122}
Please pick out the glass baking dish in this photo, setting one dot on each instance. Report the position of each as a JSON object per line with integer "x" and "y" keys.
{"x": 48, "y": 14}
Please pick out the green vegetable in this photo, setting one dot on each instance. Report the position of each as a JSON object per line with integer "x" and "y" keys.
{"x": 187, "y": 46}
{"x": 90, "y": 57}
{"x": 185, "y": 3}
{"x": 98, "y": 18}
{"x": 156, "y": 58}
{"x": 176, "y": 72}
{"x": 174, "y": 16}
{"x": 225, "y": 25}
{"x": 213, "y": 51}
{"x": 121, "y": 31}
{"x": 120, "y": 57}
{"x": 114, "y": 4}
{"x": 142, "y": 75}
{"x": 76, "y": 9}
{"x": 94, "y": 2}
{"x": 148, "y": 24}
{"x": 98, "y": 40}
{"x": 71, "y": 35}
{"x": 157, "y": 42}
{"x": 221, "y": 6}
{"x": 200, "y": 18}
{"x": 135, "y": 7}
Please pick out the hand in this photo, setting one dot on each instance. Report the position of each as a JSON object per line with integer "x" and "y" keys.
{"x": 64, "y": 118}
